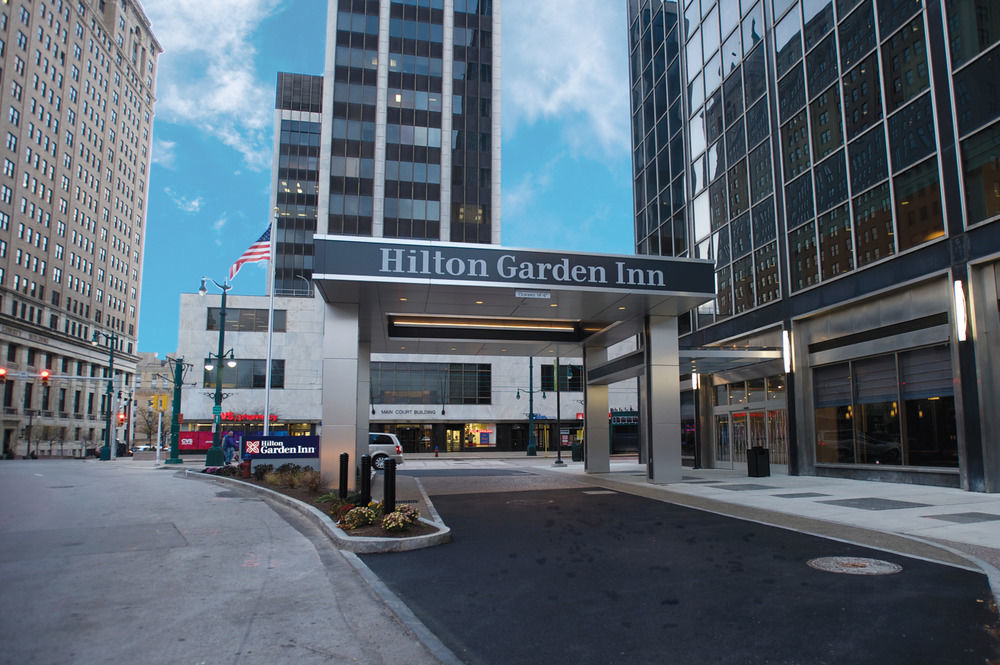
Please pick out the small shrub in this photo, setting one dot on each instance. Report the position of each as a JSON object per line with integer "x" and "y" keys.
{"x": 230, "y": 471}
{"x": 290, "y": 478}
{"x": 261, "y": 470}
{"x": 330, "y": 497}
{"x": 357, "y": 517}
{"x": 288, "y": 467}
{"x": 395, "y": 522}
{"x": 273, "y": 478}
{"x": 311, "y": 479}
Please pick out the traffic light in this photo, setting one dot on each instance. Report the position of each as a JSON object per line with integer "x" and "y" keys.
{"x": 44, "y": 376}
{"x": 3, "y": 375}
{"x": 121, "y": 418}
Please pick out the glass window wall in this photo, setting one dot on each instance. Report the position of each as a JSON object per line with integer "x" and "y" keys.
{"x": 892, "y": 409}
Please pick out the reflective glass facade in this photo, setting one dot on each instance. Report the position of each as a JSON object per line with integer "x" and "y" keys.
{"x": 811, "y": 123}
{"x": 299, "y": 100}
{"x": 397, "y": 139}
{"x": 838, "y": 161}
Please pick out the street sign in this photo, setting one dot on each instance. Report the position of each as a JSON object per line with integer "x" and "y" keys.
{"x": 217, "y": 410}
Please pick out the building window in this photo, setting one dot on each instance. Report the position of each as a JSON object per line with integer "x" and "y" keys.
{"x": 248, "y": 373}
{"x": 896, "y": 409}
{"x": 431, "y": 383}
{"x": 246, "y": 320}
{"x": 570, "y": 378}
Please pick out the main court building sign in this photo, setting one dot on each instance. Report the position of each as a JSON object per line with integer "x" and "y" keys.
{"x": 400, "y": 261}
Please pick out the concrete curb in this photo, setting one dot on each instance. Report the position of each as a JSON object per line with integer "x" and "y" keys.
{"x": 356, "y": 544}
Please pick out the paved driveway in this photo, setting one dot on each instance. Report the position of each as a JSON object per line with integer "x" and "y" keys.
{"x": 579, "y": 575}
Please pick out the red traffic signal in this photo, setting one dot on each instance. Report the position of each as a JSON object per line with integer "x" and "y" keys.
{"x": 121, "y": 418}
{"x": 3, "y": 374}
{"x": 44, "y": 376}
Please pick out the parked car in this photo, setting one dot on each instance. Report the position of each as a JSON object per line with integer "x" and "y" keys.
{"x": 382, "y": 447}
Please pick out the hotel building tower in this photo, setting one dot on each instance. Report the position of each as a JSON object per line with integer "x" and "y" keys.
{"x": 77, "y": 94}
{"x": 400, "y": 138}
{"x": 837, "y": 159}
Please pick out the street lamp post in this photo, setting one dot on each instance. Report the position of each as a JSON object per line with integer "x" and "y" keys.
{"x": 112, "y": 339}
{"x": 215, "y": 456}
{"x": 558, "y": 461}
{"x": 179, "y": 367}
{"x": 532, "y": 447}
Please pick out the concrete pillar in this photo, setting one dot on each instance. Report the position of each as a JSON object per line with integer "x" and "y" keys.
{"x": 596, "y": 433}
{"x": 362, "y": 417}
{"x": 340, "y": 390}
{"x": 663, "y": 381}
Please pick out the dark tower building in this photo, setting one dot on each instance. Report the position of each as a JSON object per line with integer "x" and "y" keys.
{"x": 837, "y": 159}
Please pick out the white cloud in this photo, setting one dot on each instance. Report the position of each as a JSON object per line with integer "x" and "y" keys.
{"x": 163, "y": 153}
{"x": 207, "y": 77}
{"x": 521, "y": 197}
{"x": 568, "y": 60}
{"x": 217, "y": 227}
{"x": 182, "y": 202}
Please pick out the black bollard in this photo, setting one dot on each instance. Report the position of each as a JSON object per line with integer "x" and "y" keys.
{"x": 342, "y": 492}
{"x": 389, "y": 494}
{"x": 366, "y": 480}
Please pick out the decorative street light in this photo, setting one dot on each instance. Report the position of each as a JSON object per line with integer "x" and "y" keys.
{"x": 215, "y": 456}
{"x": 112, "y": 339}
{"x": 178, "y": 369}
{"x": 532, "y": 448}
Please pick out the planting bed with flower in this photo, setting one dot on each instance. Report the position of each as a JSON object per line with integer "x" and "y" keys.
{"x": 304, "y": 484}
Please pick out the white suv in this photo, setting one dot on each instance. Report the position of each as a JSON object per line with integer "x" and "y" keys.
{"x": 383, "y": 446}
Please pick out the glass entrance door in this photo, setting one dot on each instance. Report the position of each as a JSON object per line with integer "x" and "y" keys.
{"x": 723, "y": 451}
{"x": 739, "y": 437}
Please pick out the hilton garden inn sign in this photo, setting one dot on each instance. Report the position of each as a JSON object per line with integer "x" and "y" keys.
{"x": 491, "y": 265}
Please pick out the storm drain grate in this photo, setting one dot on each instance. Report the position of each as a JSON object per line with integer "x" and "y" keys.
{"x": 853, "y": 565}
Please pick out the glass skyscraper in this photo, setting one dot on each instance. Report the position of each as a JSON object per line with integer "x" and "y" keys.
{"x": 838, "y": 160}
{"x": 399, "y": 138}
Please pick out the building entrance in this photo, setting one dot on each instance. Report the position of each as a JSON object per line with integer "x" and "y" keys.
{"x": 750, "y": 414}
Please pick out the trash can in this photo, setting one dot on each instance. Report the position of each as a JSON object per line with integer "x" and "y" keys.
{"x": 576, "y": 450}
{"x": 758, "y": 462}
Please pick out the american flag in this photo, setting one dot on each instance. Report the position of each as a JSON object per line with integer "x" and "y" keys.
{"x": 259, "y": 251}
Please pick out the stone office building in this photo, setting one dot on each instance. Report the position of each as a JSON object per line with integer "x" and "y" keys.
{"x": 78, "y": 89}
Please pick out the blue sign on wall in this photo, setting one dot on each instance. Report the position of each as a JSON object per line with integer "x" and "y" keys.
{"x": 265, "y": 447}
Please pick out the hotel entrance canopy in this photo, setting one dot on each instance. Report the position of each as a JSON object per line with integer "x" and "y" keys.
{"x": 444, "y": 298}
{"x": 397, "y": 296}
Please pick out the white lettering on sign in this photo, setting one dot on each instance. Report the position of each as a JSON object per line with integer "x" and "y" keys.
{"x": 426, "y": 262}
{"x": 265, "y": 447}
{"x": 508, "y": 267}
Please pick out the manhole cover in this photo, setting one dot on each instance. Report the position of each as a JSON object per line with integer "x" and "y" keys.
{"x": 853, "y": 565}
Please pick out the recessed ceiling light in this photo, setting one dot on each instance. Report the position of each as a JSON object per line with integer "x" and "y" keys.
{"x": 479, "y": 302}
{"x": 622, "y": 308}
{"x": 403, "y": 299}
{"x": 554, "y": 305}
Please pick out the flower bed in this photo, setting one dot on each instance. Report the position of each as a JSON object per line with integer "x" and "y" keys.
{"x": 302, "y": 483}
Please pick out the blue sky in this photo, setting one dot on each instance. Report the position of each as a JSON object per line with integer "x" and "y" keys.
{"x": 566, "y": 156}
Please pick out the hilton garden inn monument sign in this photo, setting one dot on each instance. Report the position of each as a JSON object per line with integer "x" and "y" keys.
{"x": 414, "y": 297}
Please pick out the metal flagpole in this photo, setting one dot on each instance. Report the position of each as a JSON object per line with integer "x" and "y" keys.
{"x": 270, "y": 330}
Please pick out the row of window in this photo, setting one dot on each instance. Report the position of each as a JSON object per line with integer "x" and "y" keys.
{"x": 248, "y": 373}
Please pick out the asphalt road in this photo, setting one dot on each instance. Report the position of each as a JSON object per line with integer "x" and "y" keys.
{"x": 106, "y": 563}
{"x": 578, "y": 576}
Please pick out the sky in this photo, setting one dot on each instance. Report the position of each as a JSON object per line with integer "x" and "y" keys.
{"x": 566, "y": 158}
